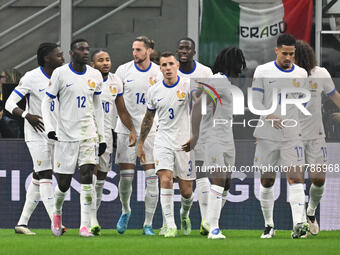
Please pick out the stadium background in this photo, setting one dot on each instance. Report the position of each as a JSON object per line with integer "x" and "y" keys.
{"x": 165, "y": 21}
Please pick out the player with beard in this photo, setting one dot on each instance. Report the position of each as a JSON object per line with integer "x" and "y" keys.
{"x": 113, "y": 105}
{"x": 137, "y": 76}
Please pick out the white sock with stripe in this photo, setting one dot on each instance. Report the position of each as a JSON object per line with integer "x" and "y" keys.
{"x": 32, "y": 200}
{"x": 214, "y": 206}
{"x": 167, "y": 203}
{"x": 151, "y": 195}
{"x": 47, "y": 196}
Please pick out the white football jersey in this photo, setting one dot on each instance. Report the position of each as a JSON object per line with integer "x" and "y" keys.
{"x": 267, "y": 77}
{"x": 76, "y": 110}
{"x": 218, "y": 131}
{"x": 111, "y": 89}
{"x": 171, "y": 104}
{"x": 33, "y": 85}
{"x": 136, "y": 83}
{"x": 319, "y": 81}
{"x": 199, "y": 71}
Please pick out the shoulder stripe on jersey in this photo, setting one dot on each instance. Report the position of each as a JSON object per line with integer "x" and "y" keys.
{"x": 19, "y": 94}
{"x": 193, "y": 70}
{"x": 97, "y": 92}
{"x": 151, "y": 109}
{"x": 258, "y": 89}
{"x": 50, "y": 95}
{"x": 120, "y": 94}
{"x": 331, "y": 93}
{"x": 147, "y": 69}
{"x": 286, "y": 71}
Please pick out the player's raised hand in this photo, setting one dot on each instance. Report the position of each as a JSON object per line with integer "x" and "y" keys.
{"x": 276, "y": 121}
{"x": 36, "y": 122}
{"x": 132, "y": 138}
{"x": 102, "y": 148}
{"x": 140, "y": 152}
{"x": 52, "y": 135}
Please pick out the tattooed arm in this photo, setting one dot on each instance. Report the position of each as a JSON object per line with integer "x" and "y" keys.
{"x": 145, "y": 129}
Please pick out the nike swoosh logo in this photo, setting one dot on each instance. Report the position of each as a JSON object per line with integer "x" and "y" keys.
{"x": 68, "y": 85}
{"x": 129, "y": 80}
{"x": 41, "y": 90}
{"x": 271, "y": 82}
{"x": 159, "y": 99}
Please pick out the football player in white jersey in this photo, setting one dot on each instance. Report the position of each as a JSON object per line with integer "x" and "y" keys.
{"x": 137, "y": 76}
{"x": 80, "y": 123}
{"x": 276, "y": 144}
{"x": 112, "y": 100}
{"x": 170, "y": 99}
{"x": 190, "y": 68}
{"x": 228, "y": 64}
{"x": 312, "y": 130}
{"x": 33, "y": 86}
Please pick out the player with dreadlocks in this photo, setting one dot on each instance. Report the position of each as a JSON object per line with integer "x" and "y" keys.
{"x": 32, "y": 86}
{"x": 228, "y": 64}
{"x": 313, "y": 134}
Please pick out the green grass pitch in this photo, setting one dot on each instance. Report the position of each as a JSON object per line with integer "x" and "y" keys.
{"x": 133, "y": 242}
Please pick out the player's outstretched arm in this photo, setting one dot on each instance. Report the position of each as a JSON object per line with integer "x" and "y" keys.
{"x": 12, "y": 107}
{"x": 126, "y": 119}
{"x": 145, "y": 129}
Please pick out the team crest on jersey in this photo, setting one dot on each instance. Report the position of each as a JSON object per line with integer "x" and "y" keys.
{"x": 180, "y": 95}
{"x": 313, "y": 85}
{"x": 92, "y": 84}
{"x": 113, "y": 90}
{"x": 58, "y": 164}
{"x": 296, "y": 83}
{"x": 213, "y": 159}
{"x": 38, "y": 162}
{"x": 152, "y": 81}
{"x": 157, "y": 162}
{"x": 256, "y": 159}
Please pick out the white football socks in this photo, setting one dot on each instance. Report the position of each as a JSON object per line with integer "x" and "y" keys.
{"x": 47, "y": 196}
{"x": 267, "y": 204}
{"x": 125, "y": 188}
{"x": 85, "y": 205}
{"x": 167, "y": 203}
{"x": 202, "y": 191}
{"x": 315, "y": 195}
{"x": 32, "y": 200}
{"x": 151, "y": 195}
{"x": 186, "y": 204}
{"x": 297, "y": 202}
{"x": 214, "y": 206}
{"x": 59, "y": 198}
